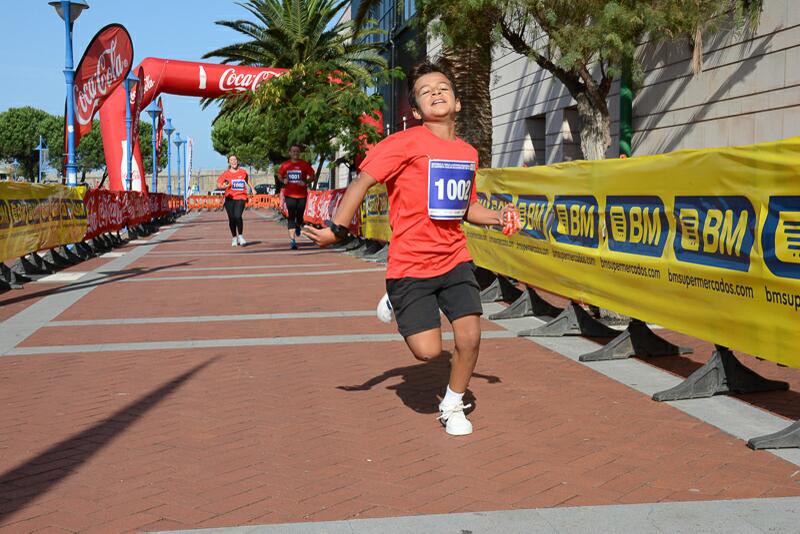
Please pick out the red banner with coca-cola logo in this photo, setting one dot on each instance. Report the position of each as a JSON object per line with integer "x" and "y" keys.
{"x": 104, "y": 65}
{"x": 109, "y": 211}
{"x": 322, "y": 205}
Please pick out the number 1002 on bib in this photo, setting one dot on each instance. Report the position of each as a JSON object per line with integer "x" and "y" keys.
{"x": 449, "y": 188}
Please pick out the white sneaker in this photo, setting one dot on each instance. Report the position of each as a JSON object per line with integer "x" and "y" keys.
{"x": 454, "y": 421}
{"x": 385, "y": 311}
{"x": 242, "y": 242}
{"x": 234, "y": 242}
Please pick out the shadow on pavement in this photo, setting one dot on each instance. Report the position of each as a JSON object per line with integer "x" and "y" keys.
{"x": 33, "y": 478}
{"x": 422, "y": 384}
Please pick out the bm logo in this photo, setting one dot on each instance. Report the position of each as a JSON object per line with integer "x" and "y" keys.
{"x": 533, "y": 215}
{"x": 715, "y": 231}
{"x": 780, "y": 238}
{"x": 575, "y": 221}
{"x": 636, "y": 225}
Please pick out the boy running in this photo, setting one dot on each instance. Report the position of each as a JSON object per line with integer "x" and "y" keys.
{"x": 295, "y": 174}
{"x": 429, "y": 175}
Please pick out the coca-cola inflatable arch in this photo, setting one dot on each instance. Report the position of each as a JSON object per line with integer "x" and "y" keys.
{"x": 173, "y": 77}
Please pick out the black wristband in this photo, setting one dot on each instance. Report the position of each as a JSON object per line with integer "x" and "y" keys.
{"x": 339, "y": 231}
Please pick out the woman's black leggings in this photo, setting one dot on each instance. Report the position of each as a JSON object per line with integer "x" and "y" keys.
{"x": 296, "y": 208}
{"x": 235, "y": 209}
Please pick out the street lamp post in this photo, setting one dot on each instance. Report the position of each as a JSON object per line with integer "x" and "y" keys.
{"x": 178, "y": 144}
{"x": 40, "y": 148}
{"x": 69, "y": 11}
{"x": 168, "y": 129}
{"x": 129, "y": 79}
{"x": 153, "y": 110}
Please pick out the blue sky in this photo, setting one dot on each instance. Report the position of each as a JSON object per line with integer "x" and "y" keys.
{"x": 32, "y": 52}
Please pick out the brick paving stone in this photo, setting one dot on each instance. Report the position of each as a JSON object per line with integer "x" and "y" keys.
{"x": 268, "y": 435}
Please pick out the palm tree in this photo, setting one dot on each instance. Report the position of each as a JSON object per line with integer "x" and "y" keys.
{"x": 287, "y": 33}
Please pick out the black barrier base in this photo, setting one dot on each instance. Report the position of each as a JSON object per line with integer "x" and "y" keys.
{"x": 529, "y": 304}
{"x": 485, "y": 277}
{"x": 99, "y": 245}
{"x": 340, "y": 245}
{"x": 19, "y": 269}
{"x": 116, "y": 239}
{"x": 723, "y": 373}
{"x": 85, "y": 249}
{"x": 788, "y": 438}
{"x": 382, "y": 256}
{"x": 10, "y": 277}
{"x": 28, "y": 266}
{"x": 54, "y": 257}
{"x": 354, "y": 244}
{"x": 637, "y": 340}
{"x": 573, "y": 321}
{"x": 370, "y": 247}
{"x": 501, "y": 289}
{"x": 69, "y": 255}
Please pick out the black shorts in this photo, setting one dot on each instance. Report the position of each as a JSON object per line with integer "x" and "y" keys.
{"x": 416, "y": 301}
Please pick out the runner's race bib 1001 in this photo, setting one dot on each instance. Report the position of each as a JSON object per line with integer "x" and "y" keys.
{"x": 449, "y": 187}
{"x": 237, "y": 185}
{"x": 295, "y": 177}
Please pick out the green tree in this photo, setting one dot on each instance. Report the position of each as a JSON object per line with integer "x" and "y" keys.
{"x": 587, "y": 43}
{"x": 246, "y": 132}
{"x": 20, "y": 129}
{"x": 90, "y": 151}
{"x": 307, "y": 106}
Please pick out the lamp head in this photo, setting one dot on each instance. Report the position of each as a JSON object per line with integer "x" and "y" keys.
{"x": 75, "y": 8}
{"x": 168, "y": 128}
{"x": 153, "y": 110}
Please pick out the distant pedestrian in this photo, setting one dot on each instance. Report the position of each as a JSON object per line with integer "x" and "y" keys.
{"x": 295, "y": 175}
{"x": 236, "y": 183}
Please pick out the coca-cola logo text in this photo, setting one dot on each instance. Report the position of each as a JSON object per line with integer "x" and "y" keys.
{"x": 233, "y": 81}
{"x": 111, "y": 68}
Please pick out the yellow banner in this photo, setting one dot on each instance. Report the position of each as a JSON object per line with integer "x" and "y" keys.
{"x": 705, "y": 242}
{"x": 375, "y": 214}
{"x": 38, "y": 217}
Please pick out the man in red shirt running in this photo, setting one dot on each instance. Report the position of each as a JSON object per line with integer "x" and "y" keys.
{"x": 429, "y": 175}
{"x": 236, "y": 183}
{"x": 295, "y": 175}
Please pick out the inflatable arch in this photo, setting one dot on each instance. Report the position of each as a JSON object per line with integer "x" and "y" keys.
{"x": 185, "y": 78}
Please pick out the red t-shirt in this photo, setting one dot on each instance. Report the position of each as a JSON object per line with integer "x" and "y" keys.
{"x": 237, "y": 183}
{"x": 431, "y": 184}
{"x": 296, "y": 173}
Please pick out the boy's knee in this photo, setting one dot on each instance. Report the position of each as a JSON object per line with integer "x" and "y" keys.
{"x": 425, "y": 356}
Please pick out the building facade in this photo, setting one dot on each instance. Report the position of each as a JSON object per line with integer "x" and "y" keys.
{"x": 748, "y": 92}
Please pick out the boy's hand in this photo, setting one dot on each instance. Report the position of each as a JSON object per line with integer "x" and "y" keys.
{"x": 323, "y": 237}
{"x": 509, "y": 218}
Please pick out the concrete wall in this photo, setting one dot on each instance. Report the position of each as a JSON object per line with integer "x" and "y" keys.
{"x": 749, "y": 92}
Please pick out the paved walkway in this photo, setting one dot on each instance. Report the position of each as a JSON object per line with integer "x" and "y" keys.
{"x": 181, "y": 383}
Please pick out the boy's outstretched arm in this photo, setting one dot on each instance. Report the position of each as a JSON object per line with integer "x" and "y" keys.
{"x": 347, "y": 208}
{"x": 479, "y": 214}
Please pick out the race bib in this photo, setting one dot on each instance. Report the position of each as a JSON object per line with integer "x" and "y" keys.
{"x": 295, "y": 177}
{"x": 238, "y": 185}
{"x": 449, "y": 187}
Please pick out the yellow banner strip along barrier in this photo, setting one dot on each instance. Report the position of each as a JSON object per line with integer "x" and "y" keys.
{"x": 705, "y": 242}
{"x": 38, "y": 217}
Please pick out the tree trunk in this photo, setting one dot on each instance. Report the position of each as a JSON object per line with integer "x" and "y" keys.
{"x": 472, "y": 68}
{"x": 595, "y": 128}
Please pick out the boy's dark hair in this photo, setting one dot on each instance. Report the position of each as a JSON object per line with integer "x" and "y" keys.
{"x": 421, "y": 69}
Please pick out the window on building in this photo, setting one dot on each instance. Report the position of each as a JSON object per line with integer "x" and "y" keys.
{"x": 409, "y": 9}
{"x": 571, "y": 135}
{"x": 534, "y": 145}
